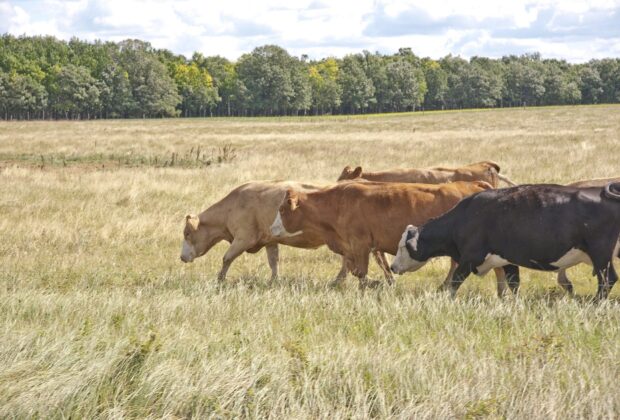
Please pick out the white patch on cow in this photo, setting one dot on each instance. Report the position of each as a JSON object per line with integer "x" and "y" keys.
{"x": 278, "y": 229}
{"x": 188, "y": 252}
{"x": 403, "y": 261}
{"x": 491, "y": 261}
{"x": 573, "y": 257}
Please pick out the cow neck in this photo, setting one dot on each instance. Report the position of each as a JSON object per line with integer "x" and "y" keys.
{"x": 320, "y": 207}
{"x": 437, "y": 236}
{"x": 217, "y": 214}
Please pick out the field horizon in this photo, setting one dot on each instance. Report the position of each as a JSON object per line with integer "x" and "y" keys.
{"x": 99, "y": 318}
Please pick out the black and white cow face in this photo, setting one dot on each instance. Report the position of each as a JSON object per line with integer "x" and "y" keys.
{"x": 405, "y": 259}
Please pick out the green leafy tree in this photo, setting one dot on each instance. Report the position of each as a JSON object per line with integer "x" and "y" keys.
{"x": 404, "y": 90}
{"x": 77, "y": 92}
{"x": 591, "y": 84}
{"x": 357, "y": 89}
{"x": 266, "y": 73}
{"x": 153, "y": 90}
{"x": 437, "y": 84}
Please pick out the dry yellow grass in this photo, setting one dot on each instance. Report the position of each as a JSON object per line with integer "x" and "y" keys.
{"x": 98, "y": 318}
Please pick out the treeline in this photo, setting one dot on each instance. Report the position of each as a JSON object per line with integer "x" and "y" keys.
{"x": 43, "y": 77}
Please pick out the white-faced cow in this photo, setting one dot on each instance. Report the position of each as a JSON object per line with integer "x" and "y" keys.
{"x": 542, "y": 227}
{"x": 486, "y": 171}
{"x": 356, "y": 218}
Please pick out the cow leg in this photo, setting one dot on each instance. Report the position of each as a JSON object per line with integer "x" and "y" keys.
{"x": 360, "y": 269}
{"x": 385, "y": 266}
{"x": 460, "y": 274}
{"x": 273, "y": 257}
{"x": 237, "y": 247}
{"x": 607, "y": 277}
{"x": 512, "y": 277}
{"x": 565, "y": 282}
{"x": 342, "y": 274}
{"x": 500, "y": 275}
{"x": 448, "y": 281}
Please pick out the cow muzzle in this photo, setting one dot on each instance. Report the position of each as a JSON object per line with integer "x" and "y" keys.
{"x": 188, "y": 253}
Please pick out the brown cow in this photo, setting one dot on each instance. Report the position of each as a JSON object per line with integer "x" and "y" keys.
{"x": 588, "y": 183}
{"x": 482, "y": 171}
{"x": 354, "y": 219}
{"x": 243, "y": 218}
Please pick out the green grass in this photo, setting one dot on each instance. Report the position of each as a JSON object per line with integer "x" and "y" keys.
{"x": 99, "y": 318}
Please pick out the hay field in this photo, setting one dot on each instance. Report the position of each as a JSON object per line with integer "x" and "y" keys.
{"x": 100, "y": 319}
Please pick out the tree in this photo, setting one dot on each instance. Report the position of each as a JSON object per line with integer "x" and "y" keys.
{"x": 404, "y": 90}
{"x": 115, "y": 93}
{"x": 77, "y": 92}
{"x": 324, "y": 85}
{"x": 357, "y": 89}
{"x": 524, "y": 81}
{"x": 609, "y": 72}
{"x": 591, "y": 84}
{"x": 266, "y": 72}
{"x": 153, "y": 90}
{"x": 437, "y": 84}
{"x": 195, "y": 85}
{"x": 300, "y": 79}
{"x": 22, "y": 96}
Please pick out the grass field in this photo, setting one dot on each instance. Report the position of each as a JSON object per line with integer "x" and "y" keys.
{"x": 99, "y": 318}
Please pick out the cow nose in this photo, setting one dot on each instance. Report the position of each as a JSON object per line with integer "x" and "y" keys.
{"x": 394, "y": 269}
{"x": 183, "y": 258}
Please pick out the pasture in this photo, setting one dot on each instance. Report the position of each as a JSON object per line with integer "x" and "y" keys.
{"x": 99, "y": 318}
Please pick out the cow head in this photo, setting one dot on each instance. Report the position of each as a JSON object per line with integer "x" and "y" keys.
{"x": 198, "y": 238}
{"x": 408, "y": 257}
{"x": 349, "y": 173}
{"x": 289, "y": 217}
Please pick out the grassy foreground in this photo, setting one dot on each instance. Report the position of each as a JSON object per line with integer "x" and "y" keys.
{"x": 99, "y": 318}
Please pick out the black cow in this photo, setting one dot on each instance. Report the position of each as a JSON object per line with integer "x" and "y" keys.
{"x": 543, "y": 227}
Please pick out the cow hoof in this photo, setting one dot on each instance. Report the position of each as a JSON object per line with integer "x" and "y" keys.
{"x": 334, "y": 284}
{"x": 373, "y": 284}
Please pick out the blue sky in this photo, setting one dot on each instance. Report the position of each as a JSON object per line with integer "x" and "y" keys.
{"x": 574, "y": 30}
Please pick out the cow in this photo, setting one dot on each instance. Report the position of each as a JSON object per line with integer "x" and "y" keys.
{"x": 482, "y": 171}
{"x": 543, "y": 227}
{"x": 243, "y": 218}
{"x": 356, "y": 218}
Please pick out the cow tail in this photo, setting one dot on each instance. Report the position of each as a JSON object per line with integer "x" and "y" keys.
{"x": 484, "y": 185}
{"x": 506, "y": 180}
{"x": 612, "y": 191}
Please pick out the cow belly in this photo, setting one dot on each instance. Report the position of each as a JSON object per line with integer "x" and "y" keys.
{"x": 490, "y": 262}
{"x": 573, "y": 257}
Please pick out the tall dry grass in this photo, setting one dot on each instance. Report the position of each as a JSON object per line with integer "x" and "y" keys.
{"x": 98, "y": 318}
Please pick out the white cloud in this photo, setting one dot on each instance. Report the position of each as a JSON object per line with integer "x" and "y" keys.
{"x": 573, "y": 29}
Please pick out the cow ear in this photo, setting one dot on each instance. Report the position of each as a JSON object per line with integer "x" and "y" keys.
{"x": 291, "y": 198}
{"x": 413, "y": 236}
{"x": 357, "y": 172}
{"x": 192, "y": 221}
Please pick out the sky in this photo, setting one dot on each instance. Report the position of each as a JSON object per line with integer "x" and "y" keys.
{"x": 574, "y": 30}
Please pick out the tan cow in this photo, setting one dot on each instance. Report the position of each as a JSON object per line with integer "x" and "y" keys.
{"x": 587, "y": 183}
{"x": 243, "y": 218}
{"x": 482, "y": 171}
{"x": 354, "y": 219}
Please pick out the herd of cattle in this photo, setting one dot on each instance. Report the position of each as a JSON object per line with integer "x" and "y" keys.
{"x": 420, "y": 214}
